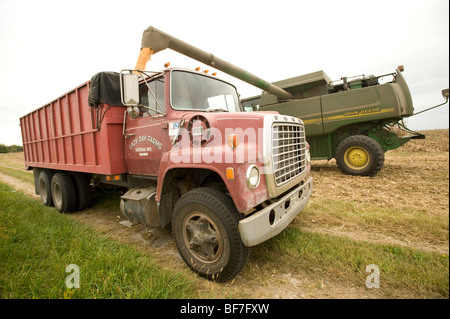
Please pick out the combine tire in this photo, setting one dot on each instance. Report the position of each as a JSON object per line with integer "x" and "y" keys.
{"x": 63, "y": 193}
{"x": 205, "y": 229}
{"x": 359, "y": 155}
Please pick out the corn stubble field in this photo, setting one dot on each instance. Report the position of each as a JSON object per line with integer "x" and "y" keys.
{"x": 397, "y": 220}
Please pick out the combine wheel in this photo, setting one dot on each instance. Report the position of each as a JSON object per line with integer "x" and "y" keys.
{"x": 45, "y": 190}
{"x": 359, "y": 155}
{"x": 205, "y": 228}
{"x": 63, "y": 193}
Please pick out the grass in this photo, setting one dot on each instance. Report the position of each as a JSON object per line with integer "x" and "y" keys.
{"x": 19, "y": 174}
{"x": 403, "y": 271}
{"x": 408, "y": 222}
{"x": 37, "y": 244}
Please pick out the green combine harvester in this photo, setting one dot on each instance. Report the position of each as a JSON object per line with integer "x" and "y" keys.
{"x": 354, "y": 120}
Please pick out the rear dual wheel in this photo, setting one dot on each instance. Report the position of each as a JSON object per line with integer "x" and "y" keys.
{"x": 63, "y": 193}
{"x": 44, "y": 184}
{"x": 66, "y": 192}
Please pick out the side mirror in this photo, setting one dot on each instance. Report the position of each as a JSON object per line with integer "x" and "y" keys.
{"x": 445, "y": 93}
{"x": 129, "y": 83}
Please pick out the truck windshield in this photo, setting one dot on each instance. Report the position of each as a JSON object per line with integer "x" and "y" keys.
{"x": 192, "y": 91}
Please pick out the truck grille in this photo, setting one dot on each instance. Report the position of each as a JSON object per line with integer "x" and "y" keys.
{"x": 288, "y": 151}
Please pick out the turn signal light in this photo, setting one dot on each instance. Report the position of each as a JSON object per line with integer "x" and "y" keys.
{"x": 109, "y": 178}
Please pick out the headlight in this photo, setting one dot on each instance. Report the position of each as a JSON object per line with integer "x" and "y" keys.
{"x": 252, "y": 176}
{"x": 308, "y": 157}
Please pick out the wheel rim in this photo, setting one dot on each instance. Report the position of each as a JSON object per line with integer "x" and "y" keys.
{"x": 57, "y": 195}
{"x": 356, "y": 157}
{"x": 43, "y": 190}
{"x": 202, "y": 237}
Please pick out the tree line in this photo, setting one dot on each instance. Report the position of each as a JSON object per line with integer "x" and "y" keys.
{"x": 10, "y": 149}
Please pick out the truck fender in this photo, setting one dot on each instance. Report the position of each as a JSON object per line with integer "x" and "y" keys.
{"x": 169, "y": 191}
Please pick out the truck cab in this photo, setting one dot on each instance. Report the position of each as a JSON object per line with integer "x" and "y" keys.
{"x": 211, "y": 164}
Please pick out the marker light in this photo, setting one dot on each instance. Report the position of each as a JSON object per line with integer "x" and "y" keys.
{"x": 233, "y": 141}
{"x": 197, "y": 68}
{"x": 215, "y": 73}
{"x": 166, "y": 65}
{"x": 206, "y": 71}
{"x": 230, "y": 173}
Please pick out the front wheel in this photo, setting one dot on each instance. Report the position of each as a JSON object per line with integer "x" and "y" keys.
{"x": 205, "y": 229}
{"x": 359, "y": 155}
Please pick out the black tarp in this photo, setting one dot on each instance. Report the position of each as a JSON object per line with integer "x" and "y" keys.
{"x": 105, "y": 88}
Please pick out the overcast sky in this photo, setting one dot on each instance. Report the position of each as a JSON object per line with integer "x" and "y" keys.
{"x": 49, "y": 47}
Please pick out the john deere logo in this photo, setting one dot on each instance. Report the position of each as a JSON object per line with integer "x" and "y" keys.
{"x": 368, "y": 111}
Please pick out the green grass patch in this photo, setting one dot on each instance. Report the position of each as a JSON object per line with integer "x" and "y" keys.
{"x": 411, "y": 222}
{"x": 403, "y": 271}
{"x": 26, "y": 176}
{"x": 37, "y": 244}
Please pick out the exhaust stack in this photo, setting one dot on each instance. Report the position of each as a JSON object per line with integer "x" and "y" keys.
{"x": 154, "y": 40}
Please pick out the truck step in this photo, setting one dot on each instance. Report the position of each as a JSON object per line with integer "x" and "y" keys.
{"x": 127, "y": 223}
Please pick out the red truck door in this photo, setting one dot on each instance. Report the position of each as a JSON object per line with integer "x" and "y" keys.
{"x": 146, "y": 138}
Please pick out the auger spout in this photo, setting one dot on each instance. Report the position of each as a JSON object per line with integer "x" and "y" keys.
{"x": 154, "y": 40}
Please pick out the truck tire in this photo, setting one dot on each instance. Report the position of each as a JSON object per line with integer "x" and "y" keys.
{"x": 82, "y": 191}
{"x": 359, "y": 155}
{"x": 63, "y": 193}
{"x": 45, "y": 189}
{"x": 205, "y": 229}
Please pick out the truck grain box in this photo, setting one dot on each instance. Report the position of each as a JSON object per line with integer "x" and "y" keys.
{"x": 67, "y": 134}
{"x": 184, "y": 151}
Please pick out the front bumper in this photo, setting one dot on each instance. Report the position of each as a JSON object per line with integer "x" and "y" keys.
{"x": 271, "y": 220}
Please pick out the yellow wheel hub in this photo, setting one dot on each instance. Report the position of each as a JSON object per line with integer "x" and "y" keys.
{"x": 356, "y": 157}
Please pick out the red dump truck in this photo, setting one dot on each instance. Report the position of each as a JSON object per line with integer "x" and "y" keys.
{"x": 186, "y": 154}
